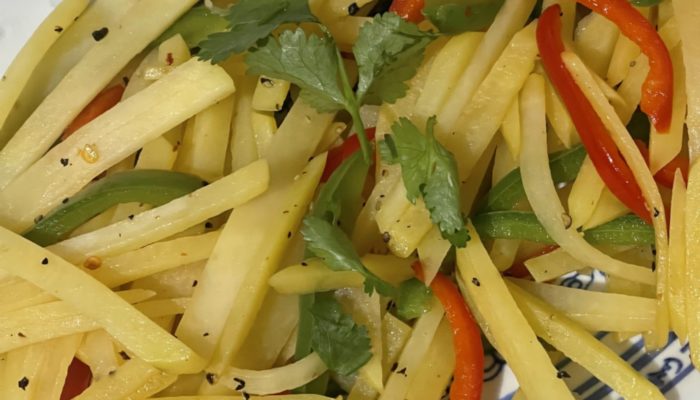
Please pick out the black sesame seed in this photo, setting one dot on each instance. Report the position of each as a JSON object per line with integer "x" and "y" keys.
{"x": 211, "y": 378}
{"x": 45, "y": 261}
{"x": 58, "y": 29}
{"x": 195, "y": 283}
{"x": 23, "y": 383}
{"x": 353, "y": 9}
{"x": 563, "y": 374}
{"x": 100, "y": 34}
{"x": 289, "y": 234}
{"x": 240, "y": 382}
{"x": 476, "y": 282}
{"x": 124, "y": 356}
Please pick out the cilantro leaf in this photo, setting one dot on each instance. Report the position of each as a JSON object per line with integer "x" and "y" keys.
{"x": 309, "y": 63}
{"x": 430, "y": 171}
{"x": 414, "y": 299}
{"x": 339, "y": 199}
{"x": 388, "y": 51}
{"x": 198, "y": 23}
{"x": 332, "y": 245}
{"x": 457, "y": 16}
{"x": 252, "y": 20}
{"x": 342, "y": 345}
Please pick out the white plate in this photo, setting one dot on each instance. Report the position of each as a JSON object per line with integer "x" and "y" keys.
{"x": 669, "y": 368}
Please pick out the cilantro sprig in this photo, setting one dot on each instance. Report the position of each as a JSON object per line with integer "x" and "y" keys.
{"x": 343, "y": 345}
{"x": 388, "y": 52}
{"x": 430, "y": 171}
{"x": 250, "y": 21}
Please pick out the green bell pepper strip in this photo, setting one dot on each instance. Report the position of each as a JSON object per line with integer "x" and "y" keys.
{"x": 153, "y": 187}
{"x": 509, "y": 190}
{"x": 194, "y": 26}
{"x": 628, "y": 230}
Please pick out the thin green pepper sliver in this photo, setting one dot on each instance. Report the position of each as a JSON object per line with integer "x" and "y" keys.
{"x": 628, "y": 230}
{"x": 509, "y": 190}
{"x": 152, "y": 187}
{"x": 198, "y": 23}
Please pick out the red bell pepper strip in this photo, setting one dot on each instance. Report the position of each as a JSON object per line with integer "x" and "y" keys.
{"x": 410, "y": 10}
{"x": 666, "y": 175}
{"x": 337, "y": 155}
{"x": 78, "y": 379}
{"x": 98, "y": 106}
{"x": 657, "y": 90}
{"x": 613, "y": 169}
{"x": 466, "y": 337}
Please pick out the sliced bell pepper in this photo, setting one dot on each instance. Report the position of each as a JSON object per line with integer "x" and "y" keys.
{"x": 466, "y": 336}
{"x": 78, "y": 379}
{"x": 98, "y": 106}
{"x": 337, "y": 155}
{"x": 506, "y": 194}
{"x": 628, "y": 230}
{"x": 601, "y": 148}
{"x": 657, "y": 90}
{"x": 153, "y": 187}
{"x": 665, "y": 175}
{"x": 410, "y": 10}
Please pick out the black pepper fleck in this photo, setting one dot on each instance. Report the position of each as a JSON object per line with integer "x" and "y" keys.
{"x": 131, "y": 217}
{"x": 240, "y": 382}
{"x": 246, "y": 396}
{"x": 563, "y": 374}
{"x": 64, "y": 162}
{"x": 112, "y": 372}
{"x": 208, "y": 225}
{"x": 390, "y": 304}
{"x": 656, "y": 212}
{"x": 205, "y": 334}
{"x": 289, "y": 234}
{"x": 476, "y": 282}
{"x": 58, "y": 29}
{"x": 386, "y": 237}
{"x": 23, "y": 383}
{"x": 195, "y": 283}
{"x": 402, "y": 371}
{"x": 125, "y": 79}
{"x": 304, "y": 264}
{"x": 267, "y": 82}
{"x": 66, "y": 200}
{"x": 353, "y": 9}
{"x": 394, "y": 366}
{"x": 124, "y": 356}
{"x": 653, "y": 266}
{"x": 22, "y": 335}
{"x": 45, "y": 261}
{"x": 100, "y": 34}
{"x": 211, "y": 378}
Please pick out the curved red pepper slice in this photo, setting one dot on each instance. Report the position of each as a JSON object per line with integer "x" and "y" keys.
{"x": 666, "y": 175}
{"x": 337, "y": 155}
{"x": 657, "y": 90}
{"x": 410, "y": 10}
{"x": 466, "y": 336}
{"x": 606, "y": 158}
{"x": 78, "y": 379}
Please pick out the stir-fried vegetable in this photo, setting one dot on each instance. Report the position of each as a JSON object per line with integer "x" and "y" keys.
{"x": 151, "y": 187}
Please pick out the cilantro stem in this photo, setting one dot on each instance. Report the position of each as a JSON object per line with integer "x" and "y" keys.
{"x": 352, "y": 106}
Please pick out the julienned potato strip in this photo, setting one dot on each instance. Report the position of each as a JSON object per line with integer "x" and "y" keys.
{"x": 60, "y": 278}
